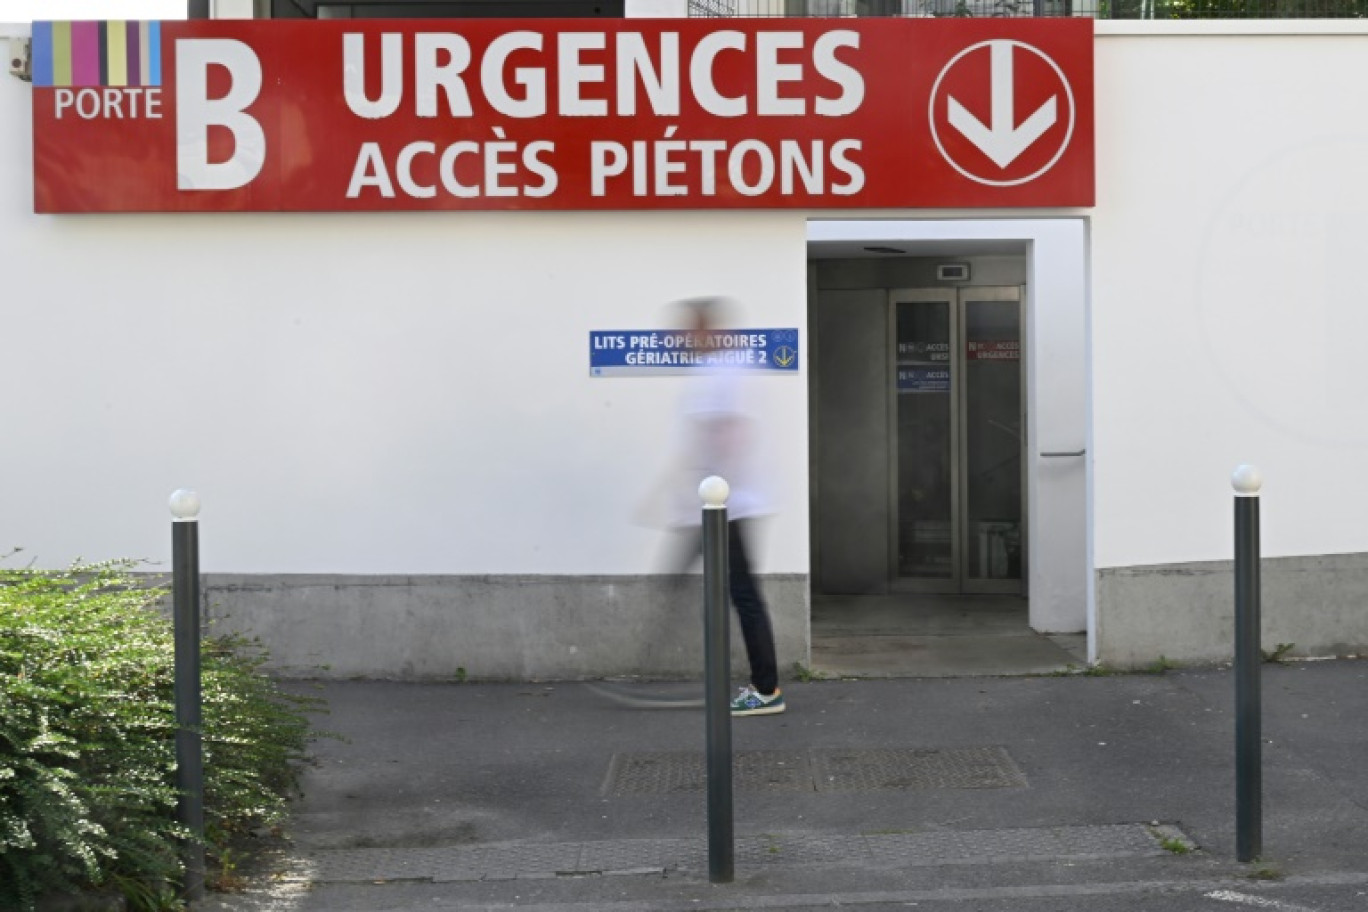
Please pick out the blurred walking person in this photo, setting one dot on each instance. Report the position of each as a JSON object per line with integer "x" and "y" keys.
{"x": 719, "y": 437}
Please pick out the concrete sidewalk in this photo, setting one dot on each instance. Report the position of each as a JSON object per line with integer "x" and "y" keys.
{"x": 964, "y": 791}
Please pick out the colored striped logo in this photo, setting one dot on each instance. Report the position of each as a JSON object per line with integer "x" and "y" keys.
{"x": 96, "y": 54}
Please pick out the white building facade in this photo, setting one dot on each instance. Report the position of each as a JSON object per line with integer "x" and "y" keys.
{"x": 407, "y": 467}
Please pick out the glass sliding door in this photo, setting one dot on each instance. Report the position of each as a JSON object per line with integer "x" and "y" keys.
{"x": 993, "y": 431}
{"x": 956, "y": 466}
{"x": 924, "y": 461}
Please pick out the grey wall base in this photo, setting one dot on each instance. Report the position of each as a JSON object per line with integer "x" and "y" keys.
{"x": 506, "y": 628}
{"x": 1186, "y": 612}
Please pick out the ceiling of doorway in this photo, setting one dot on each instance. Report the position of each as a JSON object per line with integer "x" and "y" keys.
{"x": 883, "y": 249}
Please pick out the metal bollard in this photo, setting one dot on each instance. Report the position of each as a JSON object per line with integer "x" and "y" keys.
{"x": 717, "y": 680}
{"x": 1248, "y": 660}
{"x": 185, "y": 506}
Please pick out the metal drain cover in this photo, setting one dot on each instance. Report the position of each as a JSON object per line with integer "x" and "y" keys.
{"x": 874, "y": 769}
{"x": 685, "y": 771}
{"x": 819, "y": 770}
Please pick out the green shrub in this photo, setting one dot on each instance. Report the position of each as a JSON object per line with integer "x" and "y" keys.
{"x": 87, "y": 731}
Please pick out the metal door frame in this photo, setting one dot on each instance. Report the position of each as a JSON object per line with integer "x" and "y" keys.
{"x": 959, "y": 582}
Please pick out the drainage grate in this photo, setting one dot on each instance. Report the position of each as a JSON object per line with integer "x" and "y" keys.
{"x": 872, "y": 770}
{"x": 685, "y": 771}
{"x": 843, "y": 770}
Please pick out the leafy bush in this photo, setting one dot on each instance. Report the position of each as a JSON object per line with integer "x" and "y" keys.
{"x": 87, "y": 737}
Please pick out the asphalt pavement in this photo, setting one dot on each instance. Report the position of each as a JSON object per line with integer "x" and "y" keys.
{"x": 1098, "y": 792}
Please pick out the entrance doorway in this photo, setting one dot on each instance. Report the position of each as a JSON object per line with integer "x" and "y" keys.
{"x": 939, "y": 443}
{"x": 918, "y": 408}
{"x": 958, "y": 440}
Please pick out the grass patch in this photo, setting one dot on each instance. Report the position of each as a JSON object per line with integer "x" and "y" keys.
{"x": 804, "y": 674}
{"x": 1160, "y": 666}
{"x": 1278, "y": 654}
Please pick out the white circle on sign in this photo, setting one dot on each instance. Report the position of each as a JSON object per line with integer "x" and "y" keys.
{"x": 996, "y": 48}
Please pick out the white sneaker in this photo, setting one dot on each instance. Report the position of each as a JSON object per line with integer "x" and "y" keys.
{"x": 751, "y": 702}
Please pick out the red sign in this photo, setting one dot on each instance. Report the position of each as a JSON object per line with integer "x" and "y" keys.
{"x": 994, "y": 351}
{"x": 567, "y": 114}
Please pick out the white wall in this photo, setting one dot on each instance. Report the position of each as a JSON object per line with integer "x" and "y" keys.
{"x": 233, "y": 9}
{"x": 1229, "y": 301}
{"x": 409, "y": 393}
{"x": 401, "y": 393}
{"x": 655, "y": 9}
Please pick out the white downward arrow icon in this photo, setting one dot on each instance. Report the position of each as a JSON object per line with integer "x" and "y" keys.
{"x": 1004, "y": 140}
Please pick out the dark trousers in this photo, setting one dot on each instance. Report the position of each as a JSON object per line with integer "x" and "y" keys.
{"x": 750, "y": 605}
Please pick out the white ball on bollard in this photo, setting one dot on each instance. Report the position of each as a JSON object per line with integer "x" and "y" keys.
{"x": 1247, "y": 480}
{"x": 185, "y": 505}
{"x": 714, "y": 490}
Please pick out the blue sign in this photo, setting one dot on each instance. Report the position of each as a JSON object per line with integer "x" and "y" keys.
{"x": 673, "y": 351}
{"x": 923, "y": 380}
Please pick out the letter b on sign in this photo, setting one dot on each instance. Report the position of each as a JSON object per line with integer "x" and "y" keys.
{"x": 196, "y": 113}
